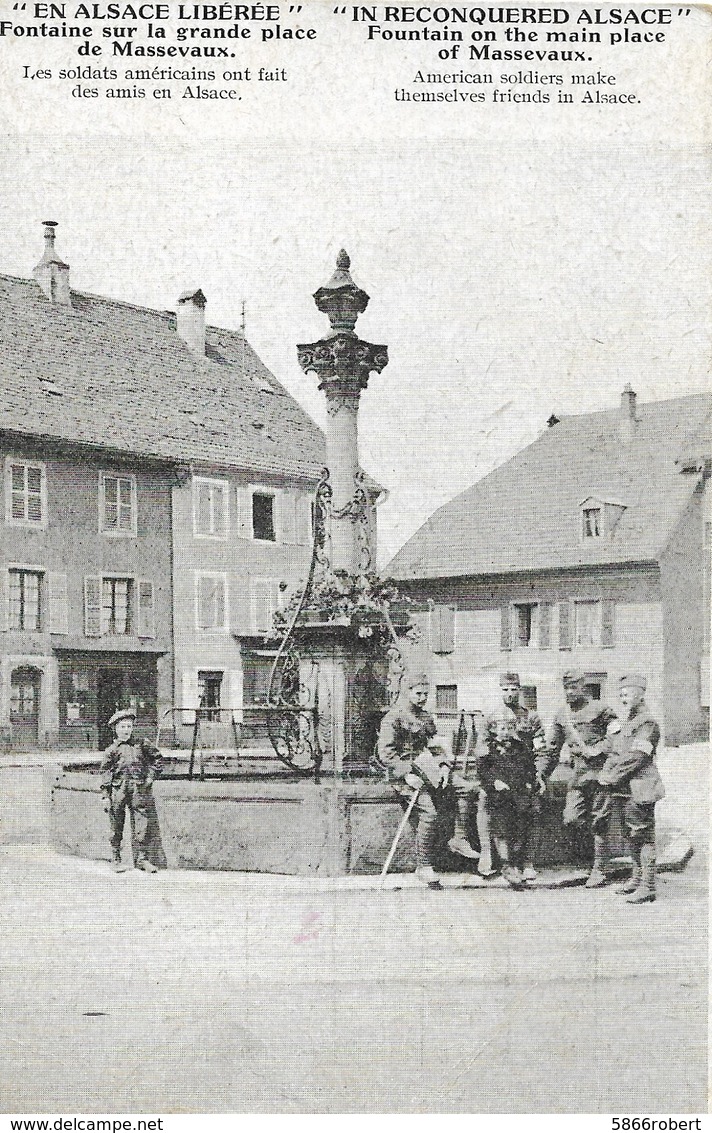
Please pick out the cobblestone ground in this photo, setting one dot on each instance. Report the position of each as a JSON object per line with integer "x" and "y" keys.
{"x": 226, "y": 993}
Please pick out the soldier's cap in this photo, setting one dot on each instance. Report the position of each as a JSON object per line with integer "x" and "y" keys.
{"x": 636, "y": 680}
{"x": 122, "y": 714}
{"x": 572, "y": 678}
{"x": 416, "y": 679}
{"x": 506, "y": 679}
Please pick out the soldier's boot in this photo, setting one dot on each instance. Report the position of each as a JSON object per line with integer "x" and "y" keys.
{"x": 424, "y": 844}
{"x": 511, "y": 874}
{"x": 597, "y": 877}
{"x": 459, "y": 843}
{"x": 646, "y": 888}
{"x": 143, "y": 863}
{"x": 632, "y": 883}
{"x": 427, "y": 875}
{"x": 529, "y": 872}
{"x": 484, "y": 866}
{"x": 116, "y": 863}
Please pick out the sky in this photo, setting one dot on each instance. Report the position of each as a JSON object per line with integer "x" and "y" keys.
{"x": 514, "y": 270}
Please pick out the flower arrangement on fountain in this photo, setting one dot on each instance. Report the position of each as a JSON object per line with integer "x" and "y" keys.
{"x": 372, "y": 605}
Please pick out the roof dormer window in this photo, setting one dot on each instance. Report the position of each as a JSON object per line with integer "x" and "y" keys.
{"x": 599, "y": 517}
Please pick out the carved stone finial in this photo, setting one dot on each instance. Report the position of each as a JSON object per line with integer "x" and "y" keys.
{"x": 343, "y": 260}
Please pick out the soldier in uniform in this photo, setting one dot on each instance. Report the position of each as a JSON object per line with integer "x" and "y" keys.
{"x": 128, "y": 768}
{"x": 630, "y": 772}
{"x": 524, "y": 726}
{"x": 585, "y": 726}
{"x": 512, "y": 773}
{"x": 415, "y": 759}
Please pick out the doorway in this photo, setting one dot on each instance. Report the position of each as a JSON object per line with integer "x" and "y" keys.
{"x": 25, "y": 685}
{"x": 110, "y": 696}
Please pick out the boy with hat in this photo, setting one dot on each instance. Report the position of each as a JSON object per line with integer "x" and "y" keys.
{"x": 630, "y": 772}
{"x": 128, "y": 769}
{"x": 585, "y": 725}
{"x": 410, "y": 750}
{"x": 512, "y": 774}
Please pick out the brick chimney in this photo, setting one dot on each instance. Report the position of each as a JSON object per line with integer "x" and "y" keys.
{"x": 51, "y": 273}
{"x": 191, "y": 321}
{"x": 627, "y": 418}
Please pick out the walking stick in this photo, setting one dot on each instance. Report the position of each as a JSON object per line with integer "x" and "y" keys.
{"x": 399, "y": 831}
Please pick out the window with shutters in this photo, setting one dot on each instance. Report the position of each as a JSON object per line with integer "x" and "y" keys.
{"x": 442, "y": 628}
{"x": 25, "y": 600}
{"x": 587, "y": 623}
{"x": 116, "y": 601}
{"x": 210, "y": 508}
{"x": 25, "y": 494}
{"x": 525, "y": 619}
{"x": 209, "y": 694}
{"x": 117, "y": 504}
{"x": 592, "y": 518}
{"x": 211, "y": 602}
{"x": 264, "y": 524}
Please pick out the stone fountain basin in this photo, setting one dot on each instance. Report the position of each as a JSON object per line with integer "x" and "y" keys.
{"x": 273, "y": 823}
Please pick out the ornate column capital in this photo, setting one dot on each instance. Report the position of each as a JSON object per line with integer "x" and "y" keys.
{"x": 342, "y": 360}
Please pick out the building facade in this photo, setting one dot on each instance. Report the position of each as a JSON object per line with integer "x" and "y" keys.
{"x": 241, "y": 543}
{"x": 588, "y": 550}
{"x": 85, "y": 605}
{"x": 156, "y": 496}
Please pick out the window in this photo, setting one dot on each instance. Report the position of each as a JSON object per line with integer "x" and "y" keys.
{"x": 25, "y": 494}
{"x": 706, "y": 572}
{"x": 595, "y": 685}
{"x": 117, "y": 504}
{"x": 527, "y": 697}
{"x": 446, "y": 698}
{"x": 587, "y": 623}
{"x": 263, "y": 521}
{"x": 211, "y": 604}
{"x": 24, "y": 691}
{"x": 210, "y": 508}
{"x": 209, "y": 689}
{"x": 592, "y": 522}
{"x": 266, "y": 597}
{"x": 442, "y": 628}
{"x": 116, "y": 606}
{"x": 524, "y": 624}
{"x": 24, "y": 608}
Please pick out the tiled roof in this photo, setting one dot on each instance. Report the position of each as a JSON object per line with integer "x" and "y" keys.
{"x": 111, "y": 374}
{"x": 526, "y": 514}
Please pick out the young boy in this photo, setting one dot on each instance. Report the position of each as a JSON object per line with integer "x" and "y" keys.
{"x": 128, "y": 769}
{"x": 512, "y": 777}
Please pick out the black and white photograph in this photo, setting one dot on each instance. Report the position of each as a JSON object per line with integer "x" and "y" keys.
{"x": 355, "y": 561}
